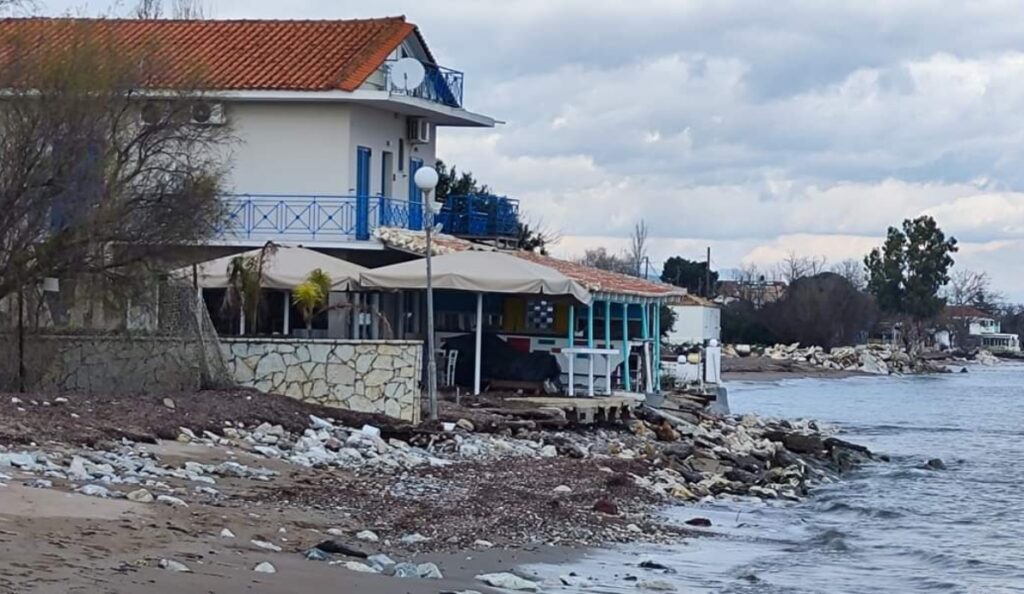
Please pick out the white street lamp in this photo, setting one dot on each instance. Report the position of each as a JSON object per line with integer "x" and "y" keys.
{"x": 426, "y": 181}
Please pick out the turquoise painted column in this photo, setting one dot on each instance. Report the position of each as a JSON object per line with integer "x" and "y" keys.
{"x": 572, "y": 326}
{"x": 645, "y": 334}
{"x": 625, "y": 348}
{"x": 590, "y": 326}
{"x": 657, "y": 347}
{"x": 608, "y": 326}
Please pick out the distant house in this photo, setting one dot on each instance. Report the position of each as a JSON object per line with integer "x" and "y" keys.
{"x": 758, "y": 292}
{"x": 697, "y": 322}
{"x": 977, "y": 328}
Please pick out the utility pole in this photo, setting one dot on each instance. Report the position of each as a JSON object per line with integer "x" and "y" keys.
{"x": 707, "y": 275}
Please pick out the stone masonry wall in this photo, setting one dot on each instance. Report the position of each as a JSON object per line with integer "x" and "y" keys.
{"x": 102, "y": 363}
{"x": 377, "y": 376}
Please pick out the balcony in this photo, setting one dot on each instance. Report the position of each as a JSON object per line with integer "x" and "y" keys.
{"x": 440, "y": 85}
{"x": 480, "y": 216}
{"x": 330, "y": 219}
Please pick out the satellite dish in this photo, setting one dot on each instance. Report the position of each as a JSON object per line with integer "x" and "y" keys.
{"x": 407, "y": 74}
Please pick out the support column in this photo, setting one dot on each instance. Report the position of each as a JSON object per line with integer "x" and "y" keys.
{"x": 357, "y": 304}
{"x": 287, "y": 313}
{"x": 657, "y": 347}
{"x": 626, "y": 383}
{"x": 375, "y": 316}
{"x": 479, "y": 342}
{"x": 590, "y": 326}
{"x": 608, "y": 328}
{"x": 572, "y": 326}
{"x": 645, "y": 334}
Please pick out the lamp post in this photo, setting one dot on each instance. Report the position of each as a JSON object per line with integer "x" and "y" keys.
{"x": 426, "y": 181}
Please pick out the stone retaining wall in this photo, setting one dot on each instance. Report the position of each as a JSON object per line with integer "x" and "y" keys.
{"x": 102, "y": 363}
{"x": 376, "y": 376}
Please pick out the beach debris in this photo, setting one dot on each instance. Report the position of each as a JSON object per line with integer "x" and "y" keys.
{"x": 172, "y": 565}
{"x": 169, "y": 403}
{"x": 359, "y": 567}
{"x": 367, "y": 535}
{"x": 405, "y": 570}
{"x": 429, "y": 571}
{"x": 338, "y": 548}
{"x": 656, "y": 586}
{"x": 508, "y": 581}
{"x": 381, "y": 561}
{"x": 482, "y": 544}
{"x": 563, "y": 489}
{"x": 701, "y": 522}
{"x": 171, "y": 500}
{"x": 140, "y": 496}
{"x": 572, "y": 580}
{"x": 226, "y": 533}
{"x": 95, "y": 491}
{"x": 315, "y": 554}
{"x": 605, "y": 506}
{"x": 34, "y": 483}
{"x": 265, "y": 567}
{"x": 265, "y": 545}
{"x": 654, "y": 565}
{"x": 414, "y": 539}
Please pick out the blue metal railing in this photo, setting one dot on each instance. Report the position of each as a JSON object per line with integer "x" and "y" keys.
{"x": 440, "y": 85}
{"x": 480, "y": 215}
{"x": 315, "y": 217}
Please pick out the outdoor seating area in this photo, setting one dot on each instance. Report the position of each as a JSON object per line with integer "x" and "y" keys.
{"x": 507, "y": 321}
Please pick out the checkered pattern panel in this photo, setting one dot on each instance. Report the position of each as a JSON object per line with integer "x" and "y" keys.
{"x": 540, "y": 315}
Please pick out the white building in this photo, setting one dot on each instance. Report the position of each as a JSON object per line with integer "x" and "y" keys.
{"x": 332, "y": 117}
{"x": 697, "y": 321}
{"x": 982, "y": 329}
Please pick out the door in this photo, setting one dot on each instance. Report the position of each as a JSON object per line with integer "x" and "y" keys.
{"x": 387, "y": 209}
{"x": 415, "y": 197}
{"x": 363, "y": 155}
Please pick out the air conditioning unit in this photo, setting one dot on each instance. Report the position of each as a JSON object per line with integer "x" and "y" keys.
{"x": 208, "y": 114}
{"x": 419, "y": 131}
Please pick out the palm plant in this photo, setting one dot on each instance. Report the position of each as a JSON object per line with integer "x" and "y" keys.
{"x": 245, "y": 284}
{"x": 312, "y": 295}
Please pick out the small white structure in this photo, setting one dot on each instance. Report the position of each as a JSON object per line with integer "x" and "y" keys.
{"x": 697, "y": 321}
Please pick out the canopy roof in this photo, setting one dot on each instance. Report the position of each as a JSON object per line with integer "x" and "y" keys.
{"x": 479, "y": 272}
{"x": 287, "y": 268}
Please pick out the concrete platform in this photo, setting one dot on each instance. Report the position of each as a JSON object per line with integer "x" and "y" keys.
{"x": 582, "y": 409}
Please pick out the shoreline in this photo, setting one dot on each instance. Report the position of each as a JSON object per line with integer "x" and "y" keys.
{"x": 536, "y": 496}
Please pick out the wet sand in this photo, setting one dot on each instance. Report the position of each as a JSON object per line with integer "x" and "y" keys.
{"x": 51, "y": 542}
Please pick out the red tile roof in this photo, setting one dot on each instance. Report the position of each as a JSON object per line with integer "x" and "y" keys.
{"x": 966, "y": 311}
{"x": 603, "y": 281}
{"x": 229, "y": 55}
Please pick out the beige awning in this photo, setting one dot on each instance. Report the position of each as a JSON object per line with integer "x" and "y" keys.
{"x": 479, "y": 272}
{"x": 287, "y": 268}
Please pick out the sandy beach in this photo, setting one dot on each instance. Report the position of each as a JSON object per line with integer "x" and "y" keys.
{"x": 85, "y": 508}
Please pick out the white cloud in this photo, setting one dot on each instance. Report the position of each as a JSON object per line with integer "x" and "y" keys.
{"x": 753, "y": 127}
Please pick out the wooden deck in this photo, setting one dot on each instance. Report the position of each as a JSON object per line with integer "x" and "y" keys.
{"x": 584, "y": 409}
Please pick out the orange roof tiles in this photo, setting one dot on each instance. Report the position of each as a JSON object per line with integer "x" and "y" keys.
{"x": 229, "y": 55}
{"x": 603, "y": 281}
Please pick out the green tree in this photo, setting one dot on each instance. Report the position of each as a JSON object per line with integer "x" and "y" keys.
{"x": 689, "y": 274}
{"x": 906, "y": 274}
{"x": 452, "y": 183}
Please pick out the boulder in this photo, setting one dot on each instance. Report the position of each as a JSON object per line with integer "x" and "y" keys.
{"x": 508, "y": 581}
{"x": 803, "y": 444}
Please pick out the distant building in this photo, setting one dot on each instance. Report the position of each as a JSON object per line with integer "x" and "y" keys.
{"x": 697, "y": 321}
{"x": 979, "y": 329}
{"x": 758, "y": 292}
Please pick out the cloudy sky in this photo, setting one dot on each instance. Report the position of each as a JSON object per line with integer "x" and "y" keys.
{"x": 756, "y": 128}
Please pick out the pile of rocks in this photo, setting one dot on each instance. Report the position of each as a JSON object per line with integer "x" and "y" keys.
{"x": 746, "y": 456}
{"x": 877, "y": 359}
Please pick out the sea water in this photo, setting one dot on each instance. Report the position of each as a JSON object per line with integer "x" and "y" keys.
{"x": 887, "y": 527}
